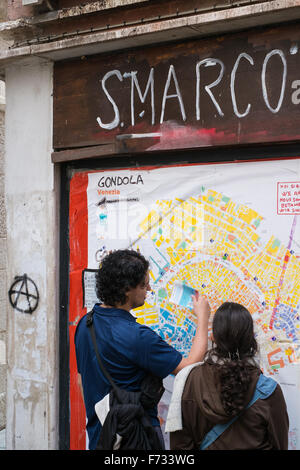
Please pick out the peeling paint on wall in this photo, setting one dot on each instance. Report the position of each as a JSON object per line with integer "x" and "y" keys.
{"x": 96, "y": 6}
{"x": 31, "y": 248}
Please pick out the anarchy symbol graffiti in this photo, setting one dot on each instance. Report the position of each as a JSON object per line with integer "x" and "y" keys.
{"x": 23, "y": 294}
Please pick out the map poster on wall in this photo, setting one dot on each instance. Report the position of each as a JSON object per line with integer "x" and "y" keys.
{"x": 230, "y": 231}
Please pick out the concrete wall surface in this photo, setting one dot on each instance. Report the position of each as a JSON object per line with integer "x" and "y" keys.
{"x": 32, "y": 250}
{"x": 3, "y": 289}
{"x": 3, "y": 10}
{"x": 3, "y": 261}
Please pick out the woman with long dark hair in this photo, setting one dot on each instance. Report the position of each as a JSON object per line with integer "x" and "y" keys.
{"x": 211, "y": 398}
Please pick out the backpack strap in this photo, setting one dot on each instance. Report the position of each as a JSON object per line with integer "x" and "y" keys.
{"x": 265, "y": 386}
{"x": 90, "y": 325}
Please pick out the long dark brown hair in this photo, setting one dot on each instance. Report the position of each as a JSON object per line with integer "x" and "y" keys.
{"x": 233, "y": 354}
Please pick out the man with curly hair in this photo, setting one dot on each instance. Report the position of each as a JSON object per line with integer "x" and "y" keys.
{"x": 129, "y": 350}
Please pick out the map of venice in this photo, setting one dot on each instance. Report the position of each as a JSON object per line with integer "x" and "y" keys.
{"x": 222, "y": 256}
{"x": 230, "y": 231}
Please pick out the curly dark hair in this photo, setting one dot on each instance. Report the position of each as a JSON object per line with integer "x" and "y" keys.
{"x": 120, "y": 271}
{"x": 233, "y": 354}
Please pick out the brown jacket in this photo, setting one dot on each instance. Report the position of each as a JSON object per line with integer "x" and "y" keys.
{"x": 263, "y": 426}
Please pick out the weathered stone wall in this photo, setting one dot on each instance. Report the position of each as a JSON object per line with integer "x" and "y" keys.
{"x": 3, "y": 11}
{"x": 3, "y": 287}
{"x": 32, "y": 231}
{"x": 3, "y": 265}
{"x": 15, "y": 8}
